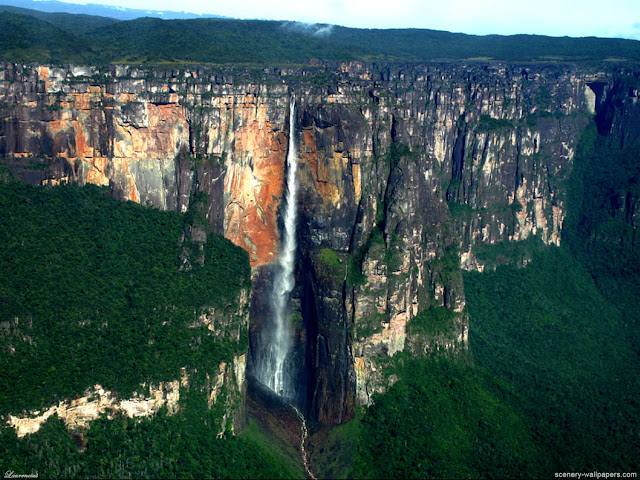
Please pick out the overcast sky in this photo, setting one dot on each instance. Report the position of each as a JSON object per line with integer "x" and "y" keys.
{"x": 602, "y": 18}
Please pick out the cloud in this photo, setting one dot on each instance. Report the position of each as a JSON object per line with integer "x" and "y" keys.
{"x": 314, "y": 29}
{"x": 323, "y": 31}
{"x": 634, "y": 33}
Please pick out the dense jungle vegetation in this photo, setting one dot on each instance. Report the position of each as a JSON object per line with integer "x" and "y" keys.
{"x": 91, "y": 292}
{"x": 31, "y": 36}
{"x": 184, "y": 445}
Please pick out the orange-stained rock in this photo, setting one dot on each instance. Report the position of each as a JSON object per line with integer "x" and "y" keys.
{"x": 327, "y": 172}
{"x": 43, "y": 73}
{"x": 131, "y": 141}
{"x": 254, "y": 182}
{"x": 166, "y": 130}
{"x": 82, "y": 149}
{"x": 127, "y": 97}
{"x": 97, "y": 171}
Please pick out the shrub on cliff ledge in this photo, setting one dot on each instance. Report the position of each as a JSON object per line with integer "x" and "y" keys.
{"x": 488, "y": 124}
{"x": 433, "y": 322}
{"x": 331, "y": 264}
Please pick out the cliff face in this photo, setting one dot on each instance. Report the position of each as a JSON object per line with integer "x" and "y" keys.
{"x": 405, "y": 172}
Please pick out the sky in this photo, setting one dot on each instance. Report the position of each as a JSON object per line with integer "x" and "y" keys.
{"x": 575, "y": 18}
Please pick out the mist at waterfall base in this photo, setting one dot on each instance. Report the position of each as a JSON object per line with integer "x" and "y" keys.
{"x": 276, "y": 339}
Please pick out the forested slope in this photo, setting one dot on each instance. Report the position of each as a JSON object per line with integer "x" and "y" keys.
{"x": 31, "y": 36}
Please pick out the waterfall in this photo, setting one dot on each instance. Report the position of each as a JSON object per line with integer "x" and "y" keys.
{"x": 276, "y": 337}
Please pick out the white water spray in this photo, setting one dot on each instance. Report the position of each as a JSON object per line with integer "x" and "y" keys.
{"x": 277, "y": 337}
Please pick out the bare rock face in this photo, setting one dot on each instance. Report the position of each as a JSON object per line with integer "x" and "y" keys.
{"x": 405, "y": 171}
{"x": 79, "y": 412}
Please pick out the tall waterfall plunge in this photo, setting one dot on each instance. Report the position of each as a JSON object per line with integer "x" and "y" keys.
{"x": 276, "y": 336}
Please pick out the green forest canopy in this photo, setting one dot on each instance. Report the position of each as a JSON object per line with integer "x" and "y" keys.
{"x": 91, "y": 291}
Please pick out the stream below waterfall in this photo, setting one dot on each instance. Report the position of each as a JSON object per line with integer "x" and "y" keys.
{"x": 304, "y": 433}
{"x": 284, "y": 426}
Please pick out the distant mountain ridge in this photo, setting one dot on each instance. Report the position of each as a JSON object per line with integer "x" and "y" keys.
{"x": 119, "y": 13}
{"x": 57, "y": 38}
{"x": 76, "y": 24}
